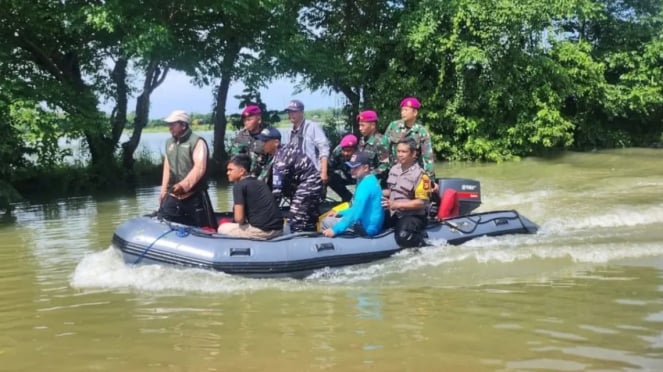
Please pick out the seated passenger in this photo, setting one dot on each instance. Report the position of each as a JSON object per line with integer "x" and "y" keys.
{"x": 365, "y": 215}
{"x": 407, "y": 197}
{"x": 255, "y": 211}
{"x": 339, "y": 173}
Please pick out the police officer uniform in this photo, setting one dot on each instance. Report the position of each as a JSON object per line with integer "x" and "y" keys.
{"x": 411, "y": 183}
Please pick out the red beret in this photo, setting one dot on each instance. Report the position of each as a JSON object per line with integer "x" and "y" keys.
{"x": 410, "y": 102}
{"x": 368, "y": 115}
{"x": 251, "y": 110}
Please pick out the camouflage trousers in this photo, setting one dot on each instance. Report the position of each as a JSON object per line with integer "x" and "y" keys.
{"x": 305, "y": 206}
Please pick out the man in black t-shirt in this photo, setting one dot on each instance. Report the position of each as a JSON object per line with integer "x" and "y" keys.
{"x": 255, "y": 212}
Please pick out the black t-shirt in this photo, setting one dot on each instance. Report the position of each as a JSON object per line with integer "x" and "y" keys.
{"x": 259, "y": 205}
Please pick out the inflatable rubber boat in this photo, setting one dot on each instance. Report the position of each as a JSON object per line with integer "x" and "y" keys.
{"x": 150, "y": 240}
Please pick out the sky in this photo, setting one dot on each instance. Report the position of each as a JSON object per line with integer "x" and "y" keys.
{"x": 177, "y": 93}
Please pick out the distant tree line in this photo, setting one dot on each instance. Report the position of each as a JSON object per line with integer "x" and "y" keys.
{"x": 497, "y": 79}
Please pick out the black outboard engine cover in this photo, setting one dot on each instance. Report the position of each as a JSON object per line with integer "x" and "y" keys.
{"x": 468, "y": 192}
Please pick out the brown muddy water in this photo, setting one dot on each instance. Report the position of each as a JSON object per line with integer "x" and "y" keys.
{"x": 584, "y": 294}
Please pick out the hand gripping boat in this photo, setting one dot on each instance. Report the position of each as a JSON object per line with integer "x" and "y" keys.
{"x": 150, "y": 240}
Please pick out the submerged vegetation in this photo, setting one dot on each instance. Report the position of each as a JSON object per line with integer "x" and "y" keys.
{"x": 498, "y": 80}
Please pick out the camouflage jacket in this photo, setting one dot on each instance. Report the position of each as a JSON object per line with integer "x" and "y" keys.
{"x": 397, "y": 130}
{"x": 261, "y": 167}
{"x": 378, "y": 146}
{"x": 336, "y": 163}
{"x": 245, "y": 142}
{"x": 242, "y": 142}
{"x": 293, "y": 171}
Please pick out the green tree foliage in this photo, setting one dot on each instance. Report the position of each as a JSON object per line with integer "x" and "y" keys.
{"x": 40, "y": 132}
{"x": 490, "y": 89}
{"x": 11, "y": 155}
{"x": 253, "y": 97}
{"x": 498, "y": 80}
{"x": 625, "y": 105}
{"x": 241, "y": 40}
{"x": 345, "y": 46}
{"x": 501, "y": 79}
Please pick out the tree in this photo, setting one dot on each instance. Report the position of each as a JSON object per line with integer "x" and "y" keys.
{"x": 56, "y": 58}
{"x": 345, "y": 46}
{"x": 239, "y": 44}
{"x": 11, "y": 155}
{"x": 625, "y": 107}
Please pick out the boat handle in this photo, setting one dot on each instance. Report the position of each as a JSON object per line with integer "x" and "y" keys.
{"x": 240, "y": 252}
{"x": 324, "y": 247}
{"x": 501, "y": 221}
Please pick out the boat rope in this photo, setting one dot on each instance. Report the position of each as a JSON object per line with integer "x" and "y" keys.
{"x": 140, "y": 257}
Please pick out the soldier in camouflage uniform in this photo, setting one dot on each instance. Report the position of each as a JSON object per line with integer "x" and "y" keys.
{"x": 409, "y": 127}
{"x": 339, "y": 173}
{"x": 245, "y": 142}
{"x": 261, "y": 163}
{"x": 375, "y": 144}
{"x": 296, "y": 177}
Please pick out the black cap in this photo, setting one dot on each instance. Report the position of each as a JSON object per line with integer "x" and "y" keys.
{"x": 269, "y": 133}
{"x": 359, "y": 158}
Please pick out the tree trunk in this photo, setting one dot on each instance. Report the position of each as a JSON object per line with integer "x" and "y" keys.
{"x": 219, "y": 155}
{"x": 354, "y": 99}
{"x": 220, "y": 122}
{"x": 77, "y": 98}
{"x": 119, "y": 115}
{"x": 153, "y": 78}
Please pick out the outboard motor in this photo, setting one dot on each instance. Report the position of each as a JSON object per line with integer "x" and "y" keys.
{"x": 458, "y": 197}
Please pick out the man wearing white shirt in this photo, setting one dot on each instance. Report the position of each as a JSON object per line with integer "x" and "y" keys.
{"x": 309, "y": 137}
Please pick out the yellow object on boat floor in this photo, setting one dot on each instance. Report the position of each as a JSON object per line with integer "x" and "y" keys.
{"x": 337, "y": 208}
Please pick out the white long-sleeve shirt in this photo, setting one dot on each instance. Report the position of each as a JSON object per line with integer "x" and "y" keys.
{"x": 315, "y": 143}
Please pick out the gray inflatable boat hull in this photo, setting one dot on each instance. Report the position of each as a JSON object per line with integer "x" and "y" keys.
{"x": 148, "y": 240}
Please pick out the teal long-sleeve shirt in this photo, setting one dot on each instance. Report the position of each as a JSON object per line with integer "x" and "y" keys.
{"x": 366, "y": 208}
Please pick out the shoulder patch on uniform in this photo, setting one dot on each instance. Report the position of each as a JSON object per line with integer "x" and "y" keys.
{"x": 426, "y": 181}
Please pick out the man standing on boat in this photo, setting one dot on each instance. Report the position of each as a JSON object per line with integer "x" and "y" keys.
{"x": 308, "y": 137}
{"x": 183, "y": 197}
{"x": 255, "y": 212}
{"x": 294, "y": 177}
{"x": 374, "y": 143}
{"x": 408, "y": 127}
{"x": 365, "y": 215}
{"x": 407, "y": 196}
{"x": 245, "y": 143}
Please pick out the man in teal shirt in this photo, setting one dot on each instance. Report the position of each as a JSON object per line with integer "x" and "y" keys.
{"x": 365, "y": 216}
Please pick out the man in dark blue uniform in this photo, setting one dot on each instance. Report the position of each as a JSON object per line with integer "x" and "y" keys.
{"x": 295, "y": 177}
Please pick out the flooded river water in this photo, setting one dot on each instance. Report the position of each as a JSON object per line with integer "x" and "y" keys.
{"x": 583, "y": 294}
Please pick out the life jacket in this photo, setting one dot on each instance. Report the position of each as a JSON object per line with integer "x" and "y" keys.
{"x": 179, "y": 152}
